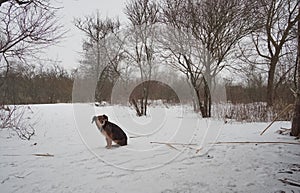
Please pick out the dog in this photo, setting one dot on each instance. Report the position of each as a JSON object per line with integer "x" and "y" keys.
{"x": 111, "y": 131}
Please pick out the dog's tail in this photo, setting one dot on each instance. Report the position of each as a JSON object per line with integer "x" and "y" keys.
{"x": 94, "y": 119}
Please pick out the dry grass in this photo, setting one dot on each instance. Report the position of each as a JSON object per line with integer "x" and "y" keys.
{"x": 252, "y": 112}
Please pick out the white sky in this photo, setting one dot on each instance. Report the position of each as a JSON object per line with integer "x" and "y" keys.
{"x": 68, "y": 50}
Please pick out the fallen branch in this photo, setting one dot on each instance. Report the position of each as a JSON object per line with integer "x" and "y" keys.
{"x": 199, "y": 149}
{"x": 171, "y": 146}
{"x": 282, "y": 112}
{"x": 43, "y": 154}
{"x": 256, "y": 142}
{"x": 16, "y": 176}
{"x": 283, "y": 131}
{"x": 136, "y": 136}
{"x": 22, "y": 176}
{"x": 290, "y": 182}
{"x": 3, "y": 181}
{"x": 182, "y": 144}
{"x": 165, "y": 143}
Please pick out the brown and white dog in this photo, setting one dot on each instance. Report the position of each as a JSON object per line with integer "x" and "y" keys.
{"x": 111, "y": 131}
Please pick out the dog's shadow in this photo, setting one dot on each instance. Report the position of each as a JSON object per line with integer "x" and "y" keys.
{"x": 115, "y": 146}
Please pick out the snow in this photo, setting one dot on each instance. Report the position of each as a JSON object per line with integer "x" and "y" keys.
{"x": 81, "y": 163}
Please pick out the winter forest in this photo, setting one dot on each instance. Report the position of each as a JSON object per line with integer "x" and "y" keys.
{"x": 231, "y": 66}
{"x": 247, "y": 48}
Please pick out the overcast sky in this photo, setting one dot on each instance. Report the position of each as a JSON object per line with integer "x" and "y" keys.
{"x": 68, "y": 50}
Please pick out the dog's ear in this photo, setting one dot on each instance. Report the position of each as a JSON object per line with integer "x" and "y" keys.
{"x": 94, "y": 119}
{"x": 105, "y": 117}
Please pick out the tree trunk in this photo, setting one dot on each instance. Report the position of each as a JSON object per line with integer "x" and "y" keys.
{"x": 142, "y": 106}
{"x": 207, "y": 98}
{"x": 296, "y": 118}
{"x": 200, "y": 105}
{"x": 138, "y": 112}
{"x": 146, "y": 95}
{"x": 270, "y": 86}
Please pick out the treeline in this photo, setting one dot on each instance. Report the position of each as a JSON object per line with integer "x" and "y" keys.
{"x": 190, "y": 37}
{"x": 32, "y": 85}
{"x": 41, "y": 85}
{"x": 241, "y": 94}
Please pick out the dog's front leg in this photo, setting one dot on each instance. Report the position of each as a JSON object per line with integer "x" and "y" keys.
{"x": 109, "y": 143}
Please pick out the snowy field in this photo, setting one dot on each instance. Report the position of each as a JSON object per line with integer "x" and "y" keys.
{"x": 190, "y": 162}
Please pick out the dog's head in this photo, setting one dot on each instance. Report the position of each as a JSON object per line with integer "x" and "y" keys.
{"x": 101, "y": 120}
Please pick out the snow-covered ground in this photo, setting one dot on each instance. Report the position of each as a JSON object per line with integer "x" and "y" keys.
{"x": 81, "y": 163}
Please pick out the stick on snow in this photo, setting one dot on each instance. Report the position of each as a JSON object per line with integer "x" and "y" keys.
{"x": 290, "y": 182}
{"x": 257, "y": 142}
{"x": 43, "y": 154}
{"x": 165, "y": 143}
{"x": 282, "y": 112}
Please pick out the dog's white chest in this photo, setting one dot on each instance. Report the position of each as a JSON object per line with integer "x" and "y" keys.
{"x": 99, "y": 125}
{"x": 100, "y": 128}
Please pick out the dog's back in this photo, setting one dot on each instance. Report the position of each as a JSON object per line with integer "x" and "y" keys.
{"x": 116, "y": 133}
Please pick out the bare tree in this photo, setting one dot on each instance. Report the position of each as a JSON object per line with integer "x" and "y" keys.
{"x": 296, "y": 118}
{"x": 277, "y": 19}
{"x": 180, "y": 52}
{"x": 25, "y": 28}
{"x": 17, "y": 2}
{"x": 215, "y": 28}
{"x": 143, "y": 16}
{"x": 102, "y": 50}
{"x": 14, "y": 119}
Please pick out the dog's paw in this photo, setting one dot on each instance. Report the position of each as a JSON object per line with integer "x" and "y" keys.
{"x": 108, "y": 147}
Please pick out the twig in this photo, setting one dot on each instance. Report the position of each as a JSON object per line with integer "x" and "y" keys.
{"x": 16, "y": 176}
{"x": 43, "y": 154}
{"x": 23, "y": 176}
{"x": 290, "y": 182}
{"x": 257, "y": 142}
{"x": 282, "y": 112}
{"x": 172, "y": 146}
{"x": 199, "y": 149}
{"x": 165, "y": 143}
{"x": 10, "y": 155}
{"x": 3, "y": 181}
{"x": 136, "y": 136}
{"x": 283, "y": 131}
{"x": 183, "y": 144}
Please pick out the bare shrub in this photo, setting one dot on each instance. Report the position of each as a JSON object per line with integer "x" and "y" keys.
{"x": 251, "y": 112}
{"x": 16, "y": 120}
